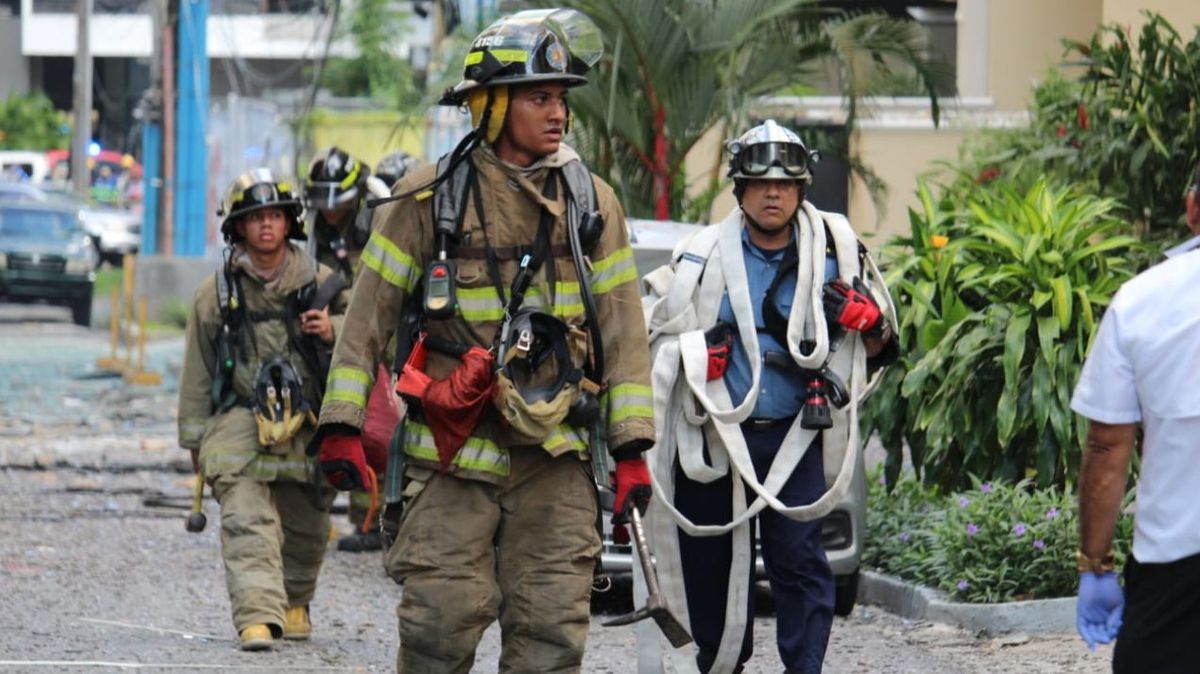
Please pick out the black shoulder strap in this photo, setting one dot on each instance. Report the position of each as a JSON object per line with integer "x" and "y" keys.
{"x": 327, "y": 290}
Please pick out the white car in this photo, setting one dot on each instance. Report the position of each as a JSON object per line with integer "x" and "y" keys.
{"x": 115, "y": 231}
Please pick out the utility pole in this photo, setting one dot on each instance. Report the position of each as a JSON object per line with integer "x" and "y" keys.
{"x": 81, "y": 177}
{"x": 150, "y": 112}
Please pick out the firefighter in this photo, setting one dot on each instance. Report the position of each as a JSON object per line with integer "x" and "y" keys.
{"x": 335, "y": 192}
{"x": 334, "y": 195}
{"x": 257, "y": 346}
{"x": 768, "y": 323}
{"x": 523, "y": 368}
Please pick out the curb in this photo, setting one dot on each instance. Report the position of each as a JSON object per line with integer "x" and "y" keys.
{"x": 922, "y": 603}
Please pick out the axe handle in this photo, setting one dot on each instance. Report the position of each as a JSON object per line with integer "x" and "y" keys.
{"x": 643, "y": 548}
{"x": 198, "y": 494}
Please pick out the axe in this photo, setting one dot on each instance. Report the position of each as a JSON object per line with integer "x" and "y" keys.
{"x": 656, "y": 605}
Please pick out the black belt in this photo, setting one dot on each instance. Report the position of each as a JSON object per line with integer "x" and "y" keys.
{"x": 763, "y": 423}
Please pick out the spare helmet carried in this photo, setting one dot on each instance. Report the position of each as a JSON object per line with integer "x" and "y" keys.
{"x": 539, "y": 377}
{"x": 335, "y": 181}
{"x": 255, "y": 190}
{"x": 280, "y": 409}
{"x": 770, "y": 152}
{"x": 395, "y": 166}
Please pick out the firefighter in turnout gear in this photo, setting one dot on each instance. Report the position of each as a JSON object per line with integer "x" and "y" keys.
{"x": 335, "y": 190}
{"x": 523, "y": 369}
{"x": 257, "y": 347}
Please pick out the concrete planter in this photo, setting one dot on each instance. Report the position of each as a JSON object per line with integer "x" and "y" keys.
{"x": 921, "y": 603}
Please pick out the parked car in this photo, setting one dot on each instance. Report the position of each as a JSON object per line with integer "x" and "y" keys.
{"x": 21, "y": 192}
{"x": 46, "y": 256}
{"x": 23, "y": 165}
{"x": 114, "y": 231}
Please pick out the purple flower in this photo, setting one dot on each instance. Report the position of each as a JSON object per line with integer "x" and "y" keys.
{"x": 904, "y": 537}
{"x": 925, "y": 507}
{"x": 1039, "y": 544}
{"x": 986, "y": 487}
{"x": 1052, "y": 513}
{"x": 963, "y": 585}
{"x": 963, "y": 501}
{"x": 1019, "y": 530}
{"x": 972, "y": 529}
{"x": 883, "y": 479}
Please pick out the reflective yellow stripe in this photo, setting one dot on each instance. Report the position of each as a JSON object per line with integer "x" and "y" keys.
{"x": 350, "y": 179}
{"x": 392, "y": 264}
{"x": 566, "y": 438}
{"x": 191, "y": 429}
{"x": 613, "y": 270}
{"x": 629, "y": 400}
{"x": 478, "y": 454}
{"x": 348, "y": 385}
{"x": 501, "y": 55}
{"x": 483, "y": 304}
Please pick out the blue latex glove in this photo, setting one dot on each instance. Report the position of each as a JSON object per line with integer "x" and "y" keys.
{"x": 1099, "y": 609}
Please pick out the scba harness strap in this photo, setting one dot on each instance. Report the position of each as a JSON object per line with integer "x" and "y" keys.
{"x": 235, "y": 316}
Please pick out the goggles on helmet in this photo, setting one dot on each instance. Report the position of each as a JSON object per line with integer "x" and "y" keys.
{"x": 755, "y": 160}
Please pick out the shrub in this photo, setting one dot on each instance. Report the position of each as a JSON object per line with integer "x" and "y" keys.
{"x": 994, "y": 542}
{"x": 1000, "y": 299}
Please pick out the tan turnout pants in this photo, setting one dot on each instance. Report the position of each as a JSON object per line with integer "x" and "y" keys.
{"x": 469, "y": 553}
{"x": 273, "y": 540}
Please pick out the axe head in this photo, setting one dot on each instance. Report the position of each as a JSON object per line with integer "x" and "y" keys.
{"x": 657, "y": 609}
{"x": 656, "y": 605}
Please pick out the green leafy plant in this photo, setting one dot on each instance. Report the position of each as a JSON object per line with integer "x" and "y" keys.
{"x": 1001, "y": 297}
{"x": 675, "y": 69}
{"x": 31, "y": 123}
{"x": 992, "y": 542}
{"x": 1126, "y": 128}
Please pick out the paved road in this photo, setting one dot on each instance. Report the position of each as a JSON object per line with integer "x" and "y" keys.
{"x": 97, "y": 578}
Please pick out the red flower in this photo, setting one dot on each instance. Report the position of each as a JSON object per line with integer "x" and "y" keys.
{"x": 1062, "y": 131}
{"x": 987, "y": 175}
{"x": 1081, "y": 113}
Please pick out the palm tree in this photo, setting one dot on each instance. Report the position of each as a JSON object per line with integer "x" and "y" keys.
{"x": 674, "y": 69}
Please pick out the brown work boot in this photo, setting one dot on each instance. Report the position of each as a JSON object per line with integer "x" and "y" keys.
{"x": 296, "y": 625}
{"x": 257, "y": 638}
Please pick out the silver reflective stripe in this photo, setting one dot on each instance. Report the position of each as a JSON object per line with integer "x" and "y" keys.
{"x": 191, "y": 428}
{"x": 392, "y": 264}
{"x": 617, "y": 268}
{"x": 477, "y": 454}
{"x": 629, "y": 400}
{"x": 348, "y": 385}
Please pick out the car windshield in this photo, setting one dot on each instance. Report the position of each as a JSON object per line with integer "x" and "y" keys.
{"x": 37, "y": 224}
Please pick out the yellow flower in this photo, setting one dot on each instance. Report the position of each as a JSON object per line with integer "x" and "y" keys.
{"x": 939, "y": 241}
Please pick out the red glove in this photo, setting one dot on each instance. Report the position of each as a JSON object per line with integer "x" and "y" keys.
{"x": 344, "y": 462}
{"x": 719, "y": 340}
{"x": 632, "y": 482}
{"x": 852, "y": 307}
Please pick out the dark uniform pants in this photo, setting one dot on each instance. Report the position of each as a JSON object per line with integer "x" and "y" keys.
{"x": 798, "y": 571}
{"x": 469, "y": 553}
{"x": 1162, "y": 618}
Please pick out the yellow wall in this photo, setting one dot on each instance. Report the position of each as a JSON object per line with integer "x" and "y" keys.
{"x": 1182, "y": 14}
{"x": 1024, "y": 41}
{"x": 898, "y": 156}
{"x": 369, "y": 134}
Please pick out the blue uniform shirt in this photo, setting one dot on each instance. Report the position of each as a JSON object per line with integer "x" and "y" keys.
{"x": 781, "y": 394}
